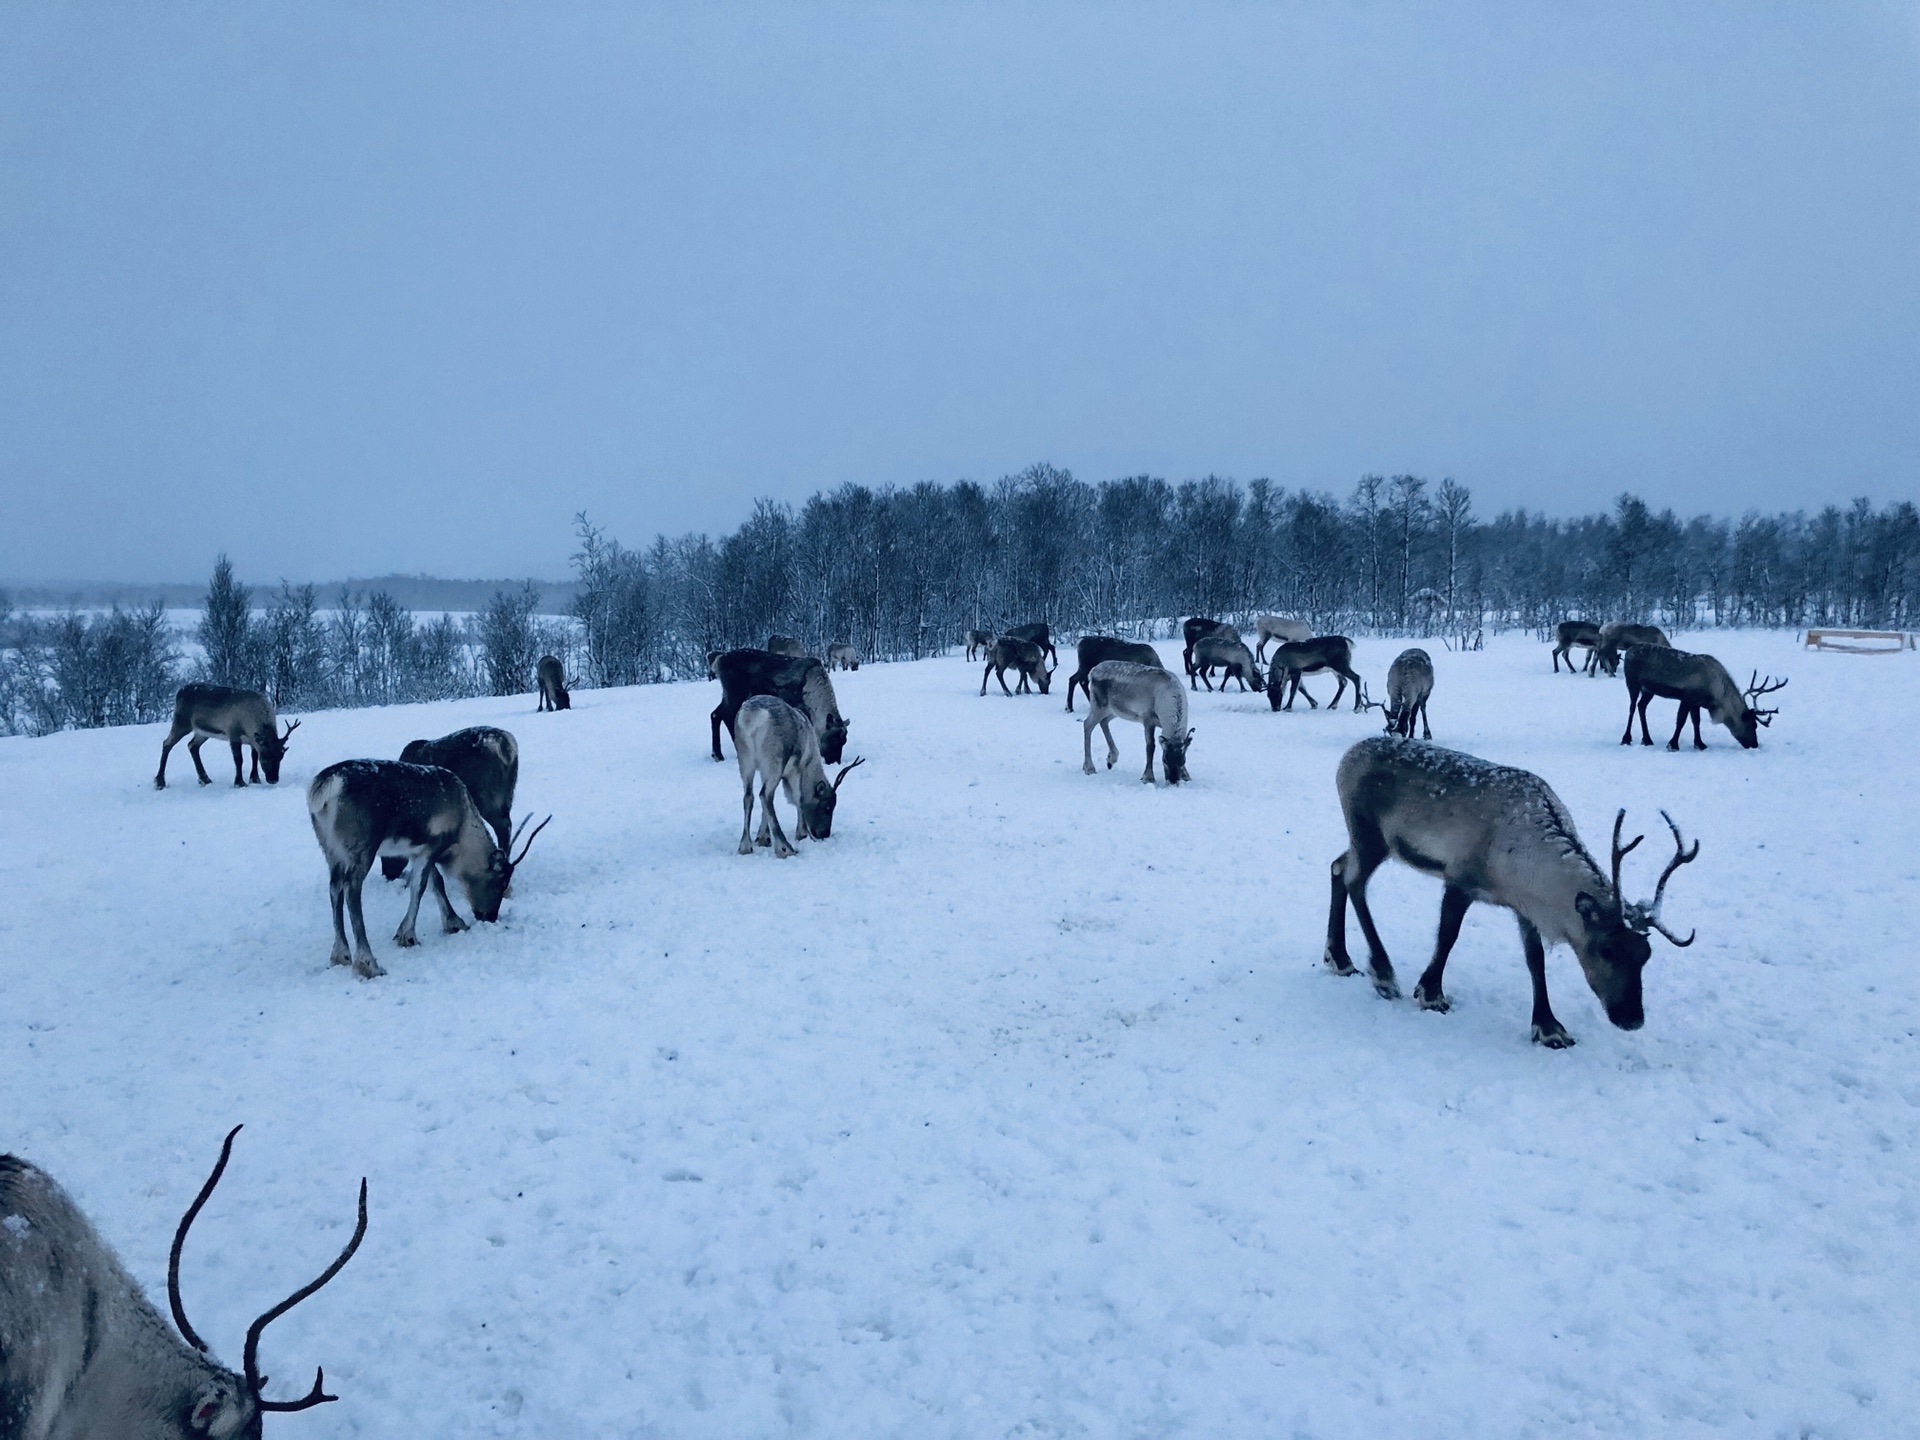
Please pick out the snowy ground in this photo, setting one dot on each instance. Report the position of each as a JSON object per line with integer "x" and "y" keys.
{"x": 1022, "y": 1106}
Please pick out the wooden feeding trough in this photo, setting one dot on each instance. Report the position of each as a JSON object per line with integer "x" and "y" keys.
{"x": 1860, "y": 642}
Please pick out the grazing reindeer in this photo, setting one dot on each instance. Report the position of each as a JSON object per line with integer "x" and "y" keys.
{"x": 1282, "y": 628}
{"x": 1309, "y": 657}
{"x": 1095, "y": 648}
{"x": 362, "y": 809}
{"x": 1035, "y": 634}
{"x": 553, "y": 684}
{"x": 1195, "y": 629}
{"x": 1698, "y": 682}
{"x": 801, "y": 682}
{"x": 1148, "y": 694}
{"x": 776, "y": 742}
{"x": 84, "y": 1356}
{"x": 240, "y": 717}
{"x": 1022, "y": 656}
{"x": 1409, "y": 683}
{"x": 786, "y": 645}
{"x": 487, "y": 760}
{"x": 842, "y": 657}
{"x": 1499, "y": 835}
{"x": 1569, "y": 633}
{"x": 1616, "y": 637}
{"x": 1232, "y": 657}
{"x": 978, "y": 643}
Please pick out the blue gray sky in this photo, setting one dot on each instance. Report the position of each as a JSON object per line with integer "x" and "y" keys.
{"x": 358, "y": 288}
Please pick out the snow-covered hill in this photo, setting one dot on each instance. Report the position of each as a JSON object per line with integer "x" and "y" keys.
{"x": 1022, "y": 1106}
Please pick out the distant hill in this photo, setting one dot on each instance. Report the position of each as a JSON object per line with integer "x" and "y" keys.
{"x": 416, "y": 592}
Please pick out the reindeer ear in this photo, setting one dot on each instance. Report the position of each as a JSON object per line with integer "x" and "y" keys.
{"x": 217, "y": 1411}
{"x": 1591, "y": 910}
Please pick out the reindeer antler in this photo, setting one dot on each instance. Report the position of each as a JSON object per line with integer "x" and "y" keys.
{"x": 292, "y": 725}
{"x": 1756, "y": 688}
{"x": 848, "y": 769}
{"x": 515, "y": 839}
{"x": 1620, "y": 852}
{"x": 1368, "y": 703}
{"x": 180, "y": 1239}
{"x": 250, "y": 1359}
{"x": 1647, "y": 917}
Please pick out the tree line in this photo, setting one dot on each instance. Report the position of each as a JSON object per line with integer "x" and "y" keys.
{"x": 902, "y": 572}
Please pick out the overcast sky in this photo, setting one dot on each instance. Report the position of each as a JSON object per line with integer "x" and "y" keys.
{"x": 347, "y": 289}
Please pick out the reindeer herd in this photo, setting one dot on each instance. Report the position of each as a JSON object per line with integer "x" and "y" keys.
{"x": 82, "y": 1353}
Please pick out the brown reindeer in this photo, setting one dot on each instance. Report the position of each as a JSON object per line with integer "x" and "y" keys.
{"x": 1698, "y": 682}
{"x": 240, "y": 717}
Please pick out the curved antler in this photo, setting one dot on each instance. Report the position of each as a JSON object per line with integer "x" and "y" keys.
{"x": 292, "y": 725}
{"x": 1620, "y": 852}
{"x": 511, "y": 860}
{"x": 180, "y": 1239}
{"x": 1682, "y": 855}
{"x": 848, "y": 769}
{"x": 250, "y": 1358}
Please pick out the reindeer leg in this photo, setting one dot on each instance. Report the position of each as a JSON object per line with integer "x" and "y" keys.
{"x": 193, "y": 753}
{"x": 1113, "y": 750}
{"x": 1679, "y": 724}
{"x": 239, "y": 772}
{"x": 1086, "y": 738}
{"x": 745, "y": 847}
{"x": 1547, "y": 1030}
{"x": 716, "y": 718}
{"x": 782, "y": 847}
{"x": 174, "y": 737}
{"x": 1426, "y": 730}
{"x": 1645, "y": 700}
{"x": 1147, "y": 726}
{"x": 253, "y": 769}
{"x": 364, "y": 965}
{"x": 423, "y": 867}
{"x": 1385, "y": 984}
{"x": 1427, "y": 992}
{"x": 1698, "y": 743}
{"x": 1626, "y": 737}
{"x": 337, "y": 898}
{"x": 450, "y": 921}
{"x": 1358, "y": 706}
{"x": 1336, "y": 958}
{"x": 767, "y": 789}
{"x": 1072, "y": 680}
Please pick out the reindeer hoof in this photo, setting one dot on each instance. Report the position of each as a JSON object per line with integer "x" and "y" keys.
{"x": 1436, "y": 1002}
{"x": 159, "y": 784}
{"x": 340, "y": 957}
{"x": 1339, "y": 964}
{"x": 453, "y": 926}
{"x": 1087, "y": 769}
{"x": 368, "y": 968}
{"x": 763, "y": 840}
{"x": 206, "y": 782}
{"x": 785, "y": 852}
{"x": 1556, "y": 1038}
{"x": 1386, "y": 987}
{"x": 405, "y": 939}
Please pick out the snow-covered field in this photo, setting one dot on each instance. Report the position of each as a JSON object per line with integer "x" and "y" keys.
{"x": 1023, "y": 1106}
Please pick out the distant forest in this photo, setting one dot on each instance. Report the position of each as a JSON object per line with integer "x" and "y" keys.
{"x": 902, "y": 573}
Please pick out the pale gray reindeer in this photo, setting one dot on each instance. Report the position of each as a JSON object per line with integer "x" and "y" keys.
{"x": 1569, "y": 633}
{"x": 1308, "y": 657}
{"x": 1023, "y": 657}
{"x": 786, "y": 645}
{"x": 1282, "y": 628}
{"x": 1151, "y": 696}
{"x": 777, "y": 743}
{"x": 85, "y": 1356}
{"x": 363, "y": 809}
{"x": 1409, "y": 683}
{"x": 553, "y": 684}
{"x": 1498, "y": 835}
{"x": 240, "y": 717}
{"x": 1698, "y": 682}
{"x": 1616, "y": 637}
{"x": 1230, "y": 655}
{"x": 842, "y": 656}
{"x": 487, "y": 760}
{"x": 978, "y": 643}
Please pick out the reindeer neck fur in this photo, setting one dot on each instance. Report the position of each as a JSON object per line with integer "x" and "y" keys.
{"x": 1729, "y": 701}
{"x": 817, "y": 691}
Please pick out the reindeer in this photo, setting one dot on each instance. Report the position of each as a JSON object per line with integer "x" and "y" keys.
{"x": 553, "y": 684}
{"x": 1282, "y": 628}
{"x": 84, "y": 1356}
{"x": 362, "y": 809}
{"x": 1095, "y": 648}
{"x": 1195, "y": 629}
{"x": 842, "y": 657}
{"x": 775, "y": 742}
{"x": 1499, "y": 835}
{"x": 1148, "y": 694}
{"x": 1569, "y": 633}
{"x": 1035, "y": 634}
{"x": 1409, "y": 683}
{"x": 801, "y": 682}
{"x": 1698, "y": 682}
{"x": 1231, "y": 656}
{"x": 487, "y": 760}
{"x": 240, "y": 717}
{"x": 978, "y": 643}
{"x": 786, "y": 645}
{"x": 1023, "y": 656}
{"x": 1616, "y": 637}
{"x": 1309, "y": 657}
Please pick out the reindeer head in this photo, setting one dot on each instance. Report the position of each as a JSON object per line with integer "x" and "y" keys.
{"x": 487, "y": 889}
{"x": 271, "y": 747}
{"x": 1614, "y": 948}
{"x": 1746, "y": 725}
{"x": 1173, "y": 756}
{"x": 230, "y": 1405}
{"x": 816, "y": 806}
{"x": 833, "y": 739}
